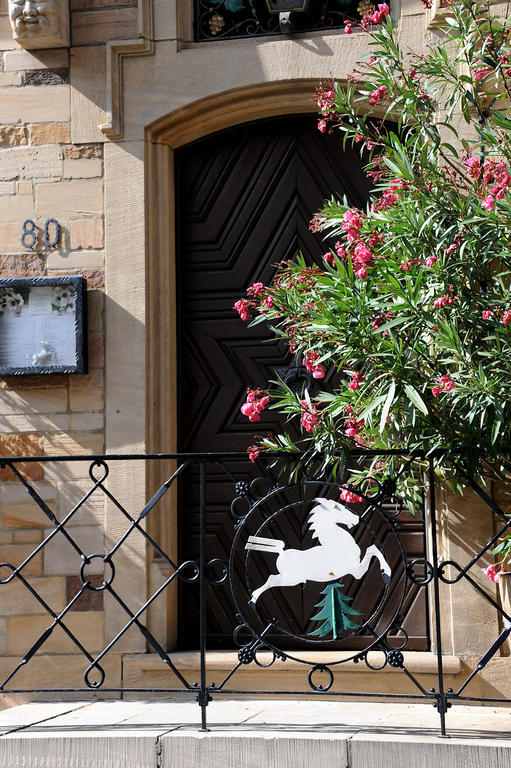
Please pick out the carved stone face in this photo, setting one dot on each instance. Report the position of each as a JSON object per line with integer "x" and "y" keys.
{"x": 37, "y": 23}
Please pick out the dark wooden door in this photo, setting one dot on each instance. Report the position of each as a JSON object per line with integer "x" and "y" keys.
{"x": 245, "y": 198}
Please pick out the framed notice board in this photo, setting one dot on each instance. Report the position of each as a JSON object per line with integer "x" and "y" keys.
{"x": 43, "y": 325}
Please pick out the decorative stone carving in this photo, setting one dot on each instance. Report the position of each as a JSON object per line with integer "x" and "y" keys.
{"x": 40, "y": 23}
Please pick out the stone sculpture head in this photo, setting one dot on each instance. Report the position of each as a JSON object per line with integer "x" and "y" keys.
{"x": 40, "y": 23}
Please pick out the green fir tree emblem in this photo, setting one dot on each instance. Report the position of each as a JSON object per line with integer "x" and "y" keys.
{"x": 335, "y": 612}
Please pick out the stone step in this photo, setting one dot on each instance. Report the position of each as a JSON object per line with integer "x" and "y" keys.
{"x": 251, "y": 733}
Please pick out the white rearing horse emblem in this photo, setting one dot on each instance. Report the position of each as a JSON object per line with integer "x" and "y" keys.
{"x": 337, "y": 554}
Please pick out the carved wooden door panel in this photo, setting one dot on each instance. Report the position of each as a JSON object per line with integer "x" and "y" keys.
{"x": 244, "y": 201}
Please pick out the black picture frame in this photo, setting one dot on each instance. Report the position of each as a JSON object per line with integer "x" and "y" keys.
{"x": 22, "y": 287}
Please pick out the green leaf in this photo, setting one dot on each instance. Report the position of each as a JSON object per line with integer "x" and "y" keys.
{"x": 415, "y": 398}
{"x": 386, "y": 407}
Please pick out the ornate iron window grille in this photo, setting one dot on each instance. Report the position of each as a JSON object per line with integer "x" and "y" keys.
{"x": 256, "y": 504}
{"x": 224, "y": 19}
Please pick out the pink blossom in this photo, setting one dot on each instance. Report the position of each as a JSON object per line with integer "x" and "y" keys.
{"x": 363, "y": 255}
{"x": 322, "y": 125}
{"x": 329, "y": 258}
{"x": 441, "y": 301}
{"x": 474, "y": 167}
{"x": 379, "y": 15}
{"x": 378, "y": 95}
{"x": 435, "y": 391}
{"x": 250, "y": 410}
{"x": 486, "y": 313}
{"x": 405, "y": 266}
{"x": 340, "y": 250}
{"x": 242, "y": 306}
{"x": 488, "y": 203}
{"x": 310, "y": 416}
{"x": 318, "y": 372}
{"x": 362, "y": 273}
{"x": 492, "y": 573}
{"x": 506, "y": 317}
{"x": 255, "y": 289}
{"x": 309, "y": 360}
{"x": 257, "y": 400}
{"x": 253, "y": 452}
{"x": 349, "y": 496}
{"x": 355, "y": 381}
{"x": 352, "y": 224}
{"x": 431, "y": 260}
{"x": 449, "y": 385}
{"x": 268, "y": 302}
{"x": 481, "y": 72}
{"x": 348, "y": 27}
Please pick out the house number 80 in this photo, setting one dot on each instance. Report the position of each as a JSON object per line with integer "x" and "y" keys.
{"x": 29, "y": 236}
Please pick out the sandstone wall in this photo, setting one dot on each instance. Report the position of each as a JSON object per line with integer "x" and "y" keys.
{"x": 52, "y": 166}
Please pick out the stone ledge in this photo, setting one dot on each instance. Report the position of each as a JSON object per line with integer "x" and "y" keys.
{"x": 254, "y": 733}
{"x": 224, "y": 661}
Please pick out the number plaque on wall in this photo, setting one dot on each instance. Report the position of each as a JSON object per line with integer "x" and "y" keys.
{"x": 43, "y": 325}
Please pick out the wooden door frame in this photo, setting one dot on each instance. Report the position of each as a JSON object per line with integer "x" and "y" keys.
{"x": 162, "y": 138}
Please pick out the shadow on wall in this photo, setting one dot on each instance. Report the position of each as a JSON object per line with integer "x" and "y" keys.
{"x": 125, "y": 378}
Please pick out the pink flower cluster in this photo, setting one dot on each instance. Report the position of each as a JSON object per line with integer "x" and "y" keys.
{"x": 362, "y": 255}
{"x": 341, "y": 253}
{"x": 445, "y": 384}
{"x": 506, "y": 317}
{"x": 310, "y": 416}
{"x": 243, "y": 307}
{"x": 352, "y": 225}
{"x": 349, "y": 496}
{"x": 378, "y": 95}
{"x": 387, "y": 200}
{"x": 373, "y": 16}
{"x": 362, "y": 258}
{"x": 494, "y": 177}
{"x": 256, "y": 289}
{"x": 379, "y": 15}
{"x": 257, "y": 400}
{"x": 253, "y": 452}
{"x": 356, "y": 380}
{"x": 353, "y": 426}
{"x": 492, "y": 573}
{"x": 481, "y": 72}
{"x": 318, "y": 370}
{"x": 446, "y": 299}
{"x": 325, "y": 99}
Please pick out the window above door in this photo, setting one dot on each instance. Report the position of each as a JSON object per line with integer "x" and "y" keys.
{"x": 226, "y": 19}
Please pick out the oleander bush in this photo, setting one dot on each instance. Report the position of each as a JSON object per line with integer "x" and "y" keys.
{"x": 411, "y": 306}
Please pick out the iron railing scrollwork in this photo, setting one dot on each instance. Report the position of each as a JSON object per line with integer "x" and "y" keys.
{"x": 284, "y": 536}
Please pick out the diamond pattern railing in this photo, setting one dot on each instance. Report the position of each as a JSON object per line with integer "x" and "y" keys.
{"x": 266, "y": 513}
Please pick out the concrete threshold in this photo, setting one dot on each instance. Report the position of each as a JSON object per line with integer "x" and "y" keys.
{"x": 251, "y": 733}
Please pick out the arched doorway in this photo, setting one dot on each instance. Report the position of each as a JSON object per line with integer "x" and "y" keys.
{"x": 244, "y": 199}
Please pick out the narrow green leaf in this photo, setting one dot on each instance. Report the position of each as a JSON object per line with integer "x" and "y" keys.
{"x": 415, "y": 398}
{"x": 386, "y": 407}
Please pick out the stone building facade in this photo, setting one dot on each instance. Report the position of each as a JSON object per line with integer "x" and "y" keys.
{"x": 87, "y": 136}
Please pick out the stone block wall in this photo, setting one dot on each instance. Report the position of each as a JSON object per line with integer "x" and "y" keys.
{"x": 52, "y": 166}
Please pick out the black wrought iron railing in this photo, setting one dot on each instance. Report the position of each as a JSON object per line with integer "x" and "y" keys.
{"x": 260, "y": 542}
